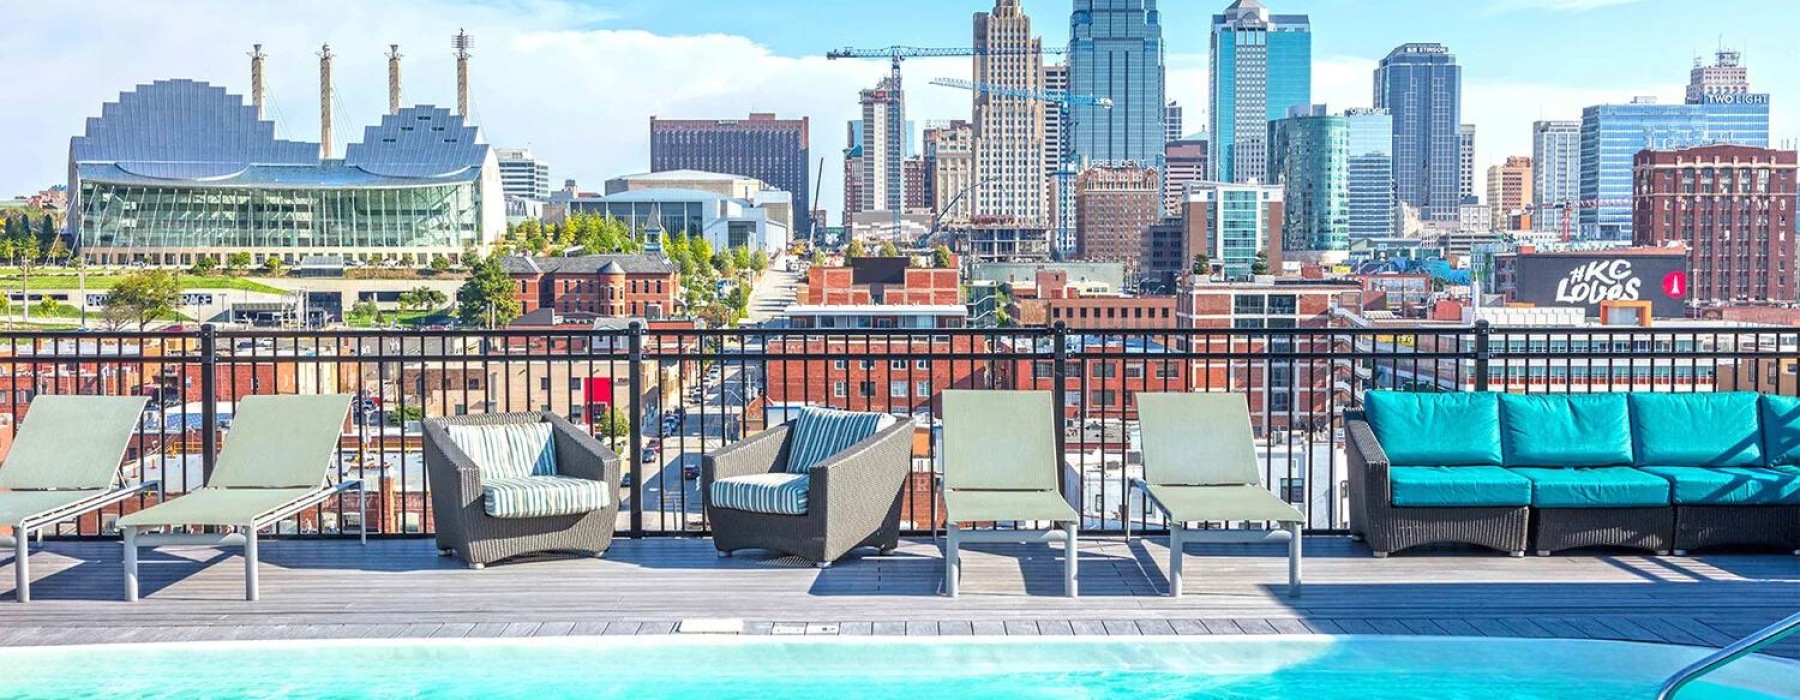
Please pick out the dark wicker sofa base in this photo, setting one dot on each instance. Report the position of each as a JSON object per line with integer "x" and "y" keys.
{"x": 1393, "y": 529}
{"x": 1557, "y": 529}
{"x": 1702, "y": 527}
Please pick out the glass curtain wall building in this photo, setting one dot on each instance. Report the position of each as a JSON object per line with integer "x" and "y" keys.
{"x": 1421, "y": 86}
{"x": 1310, "y": 154}
{"x": 1239, "y": 221}
{"x": 1556, "y": 171}
{"x": 179, "y": 170}
{"x": 1261, "y": 68}
{"x": 1370, "y": 141}
{"x": 1116, "y": 51}
{"x": 1611, "y": 135}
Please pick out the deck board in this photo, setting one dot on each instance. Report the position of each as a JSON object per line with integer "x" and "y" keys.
{"x": 401, "y": 589}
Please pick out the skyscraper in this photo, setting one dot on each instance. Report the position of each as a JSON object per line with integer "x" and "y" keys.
{"x": 1261, "y": 67}
{"x": 1556, "y": 171}
{"x": 1421, "y": 86}
{"x": 522, "y": 175}
{"x": 1114, "y": 207}
{"x": 1009, "y": 129}
{"x": 1466, "y": 169}
{"x": 1059, "y": 185}
{"x": 1733, "y": 208}
{"x": 1186, "y": 163}
{"x": 1236, "y": 222}
{"x": 853, "y": 169}
{"x": 1508, "y": 191}
{"x": 776, "y": 151}
{"x": 1172, "y": 121}
{"x": 1726, "y": 76}
{"x": 1371, "y": 173}
{"x": 950, "y": 166}
{"x": 1116, "y": 51}
{"x": 883, "y": 149}
{"x": 1309, "y": 155}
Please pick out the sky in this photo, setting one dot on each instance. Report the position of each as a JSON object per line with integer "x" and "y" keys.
{"x": 578, "y": 80}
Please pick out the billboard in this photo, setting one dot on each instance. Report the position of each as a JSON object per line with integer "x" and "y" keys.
{"x": 1586, "y": 279}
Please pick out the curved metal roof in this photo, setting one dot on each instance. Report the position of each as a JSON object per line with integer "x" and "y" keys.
{"x": 194, "y": 133}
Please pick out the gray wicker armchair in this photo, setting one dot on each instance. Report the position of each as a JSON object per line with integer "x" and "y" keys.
{"x": 463, "y": 525}
{"x": 853, "y": 497}
{"x": 1388, "y": 529}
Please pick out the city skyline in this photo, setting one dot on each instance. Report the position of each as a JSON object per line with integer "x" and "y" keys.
{"x": 727, "y": 64}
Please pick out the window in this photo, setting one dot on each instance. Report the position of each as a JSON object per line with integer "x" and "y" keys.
{"x": 921, "y": 364}
{"x": 867, "y": 364}
{"x": 1247, "y": 304}
{"x": 867, "y": 389}
{"x": 1042, "y": 369}
{"x": 1285, "y": 304}
{"x": 472, "y": 383}
{"x": 922, "y": 388}
{"x": 1105, "y": 397}
{"x": 575, "y": 384}
{"x": 543, "y": 383}
{"x": 840, "y": 364}
{"x": 896, "y": 365}
{"x": 839, "y": 389}
{"x": 1134, "y": 371}
{"x": 1106, "y": 370}
{"x": 897, "y": 389}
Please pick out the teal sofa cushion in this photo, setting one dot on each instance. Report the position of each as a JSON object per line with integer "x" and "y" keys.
{"x": 1596, "y": 487}
{"x": 1573, "y": 430}
{"x": 1781, "y": 429}
{"x": 1696, "y": 430}
{"x": 1452, "y": 429}
{"x": 1453, "y": 487}
{"x": 1732, "y": 486}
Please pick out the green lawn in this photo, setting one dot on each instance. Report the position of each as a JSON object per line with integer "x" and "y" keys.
{"x": 410, "y": 318}
{"x": 100, "y": 281}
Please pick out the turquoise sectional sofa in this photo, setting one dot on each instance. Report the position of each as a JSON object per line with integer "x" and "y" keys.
{"x": 1548, "y": 472}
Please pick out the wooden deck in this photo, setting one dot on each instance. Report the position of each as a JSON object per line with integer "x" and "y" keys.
{"x": 400, "y": 588}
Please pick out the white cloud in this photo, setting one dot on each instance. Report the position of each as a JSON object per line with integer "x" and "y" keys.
{"x": 582, "y": 98}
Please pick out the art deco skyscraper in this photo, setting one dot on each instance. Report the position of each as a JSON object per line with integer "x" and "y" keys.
{"x": 1010, "y": 181}
{"x": 1261, "y": 68}
{"x": 1116, "y": 52}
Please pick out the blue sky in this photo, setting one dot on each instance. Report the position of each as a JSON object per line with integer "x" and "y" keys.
{"x": 577, "y": 80}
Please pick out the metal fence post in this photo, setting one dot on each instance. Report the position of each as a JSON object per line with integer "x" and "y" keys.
{"x": 1483, "y": 353}
{"x": 209, "y": 400}
{"x": 635, "y": 336}
{"x": 1059, "y": 377}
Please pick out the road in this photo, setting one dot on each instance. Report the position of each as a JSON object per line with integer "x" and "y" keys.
{"x": 671, "y": 501}
{"x": 774, "y": 292}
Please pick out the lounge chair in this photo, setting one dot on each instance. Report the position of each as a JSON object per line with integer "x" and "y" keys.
{"x": 1200, "y": 466}
{"x": 1000, "y": 465}
{"x": 64, "y": 463}
{"x": 275, "y": 464}
{"x": 816, "y": 487}
{"x": 507, "y": 484}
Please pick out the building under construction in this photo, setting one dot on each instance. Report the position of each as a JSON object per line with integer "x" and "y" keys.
{"x": 178, "y": 170}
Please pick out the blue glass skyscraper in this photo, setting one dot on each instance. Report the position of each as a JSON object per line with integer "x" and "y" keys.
{"x": 1116, "y": 51}
{"x": 1371, "y": 180}
{"x": 1261, "y": 68}
{"x": 1309, "y": 157}
{"x": 1421, "y": 86}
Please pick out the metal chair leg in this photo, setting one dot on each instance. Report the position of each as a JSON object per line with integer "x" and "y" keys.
{"x": 1175, "y": 555}
{"x": 22, "y": 563}
{"x": 952, "y": 558}
{"x": 131, "y": 563}
{"x": 1071, "y": 561}
{"x": 251, "y": 592}
{"x": 1294, "y": 546}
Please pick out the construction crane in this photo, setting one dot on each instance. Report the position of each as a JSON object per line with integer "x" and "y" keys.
{"x": 897, "y": 55}
{"x": 1065, "y": 169}
{"x": 1567, "y": 206}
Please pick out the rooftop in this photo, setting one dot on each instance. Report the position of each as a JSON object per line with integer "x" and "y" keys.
{"x": 631, "y": 263}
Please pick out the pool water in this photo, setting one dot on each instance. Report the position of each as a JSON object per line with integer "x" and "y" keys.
{"x": 654, "y": 668}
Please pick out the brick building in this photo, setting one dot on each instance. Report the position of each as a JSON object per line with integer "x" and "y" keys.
{"x": 1052, "y": 299}
{"x": 880, "y": 281}
{"x": 1734, "y": 208}
{"x": 643, "y": 285}
{"x": 1302, "y": 394}
{"x": 1113, "y": 208}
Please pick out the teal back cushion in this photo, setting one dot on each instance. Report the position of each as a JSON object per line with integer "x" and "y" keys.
{"x": 1577, "y": 430}
{"x": 1451, "y": 429}
{"x": 1696, "y": 430}
{"x": 1781, "y": 430}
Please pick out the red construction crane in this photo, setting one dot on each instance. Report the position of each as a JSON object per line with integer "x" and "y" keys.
{"x": 1569, "y": 205}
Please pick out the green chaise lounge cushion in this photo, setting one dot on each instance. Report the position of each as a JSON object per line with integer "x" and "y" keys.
{"x": 1732, "y": 486}
{"x": 1450, "y": 429}
{"x": 1458, "y": 487}
{"x": 1595, "y": 487}
{"x": 1696, "y": 430}
{"x": 1781, "y": 430}
{"x": 1580, "y": 430}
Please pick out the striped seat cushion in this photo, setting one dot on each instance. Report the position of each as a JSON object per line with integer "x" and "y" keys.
{"x": 774, "y": 494}
{"x": 507, "y": 451}
{"x": 820, "y": 433}
{"x": 542, "y": 496}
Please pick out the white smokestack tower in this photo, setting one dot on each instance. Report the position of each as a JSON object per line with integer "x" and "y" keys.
{"x": 325, "y": 101}
{"x": 256, "y": 78}
{"x": 462, "y": 42}
{"x": 393, "y": 78}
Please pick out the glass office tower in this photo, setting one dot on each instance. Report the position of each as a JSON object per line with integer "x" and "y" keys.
{"x": 1116, "y": 52}
{"x": 1261, "y": 68}
{"x": 1310, "y": 159}
{"x": 1370, "y": 184}
{"x": 1421, "y": 86}
{"x": 1611, "y": 135}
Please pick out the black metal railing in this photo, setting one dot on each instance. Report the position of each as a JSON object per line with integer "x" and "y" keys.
{"x": 662, "y": 397}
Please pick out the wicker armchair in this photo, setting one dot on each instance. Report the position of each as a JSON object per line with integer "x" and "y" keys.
{"x": 463, "y": 526}
{"x": 1388, "y": 529}
{"x": 853, "y": 498}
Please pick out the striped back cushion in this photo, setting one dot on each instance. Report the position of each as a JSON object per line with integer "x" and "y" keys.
{"x": 820, "y": 433}
{"x": 507, "y": 451}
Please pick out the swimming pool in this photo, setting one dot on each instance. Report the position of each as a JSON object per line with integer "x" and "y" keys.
{"x": 653, "y": 668}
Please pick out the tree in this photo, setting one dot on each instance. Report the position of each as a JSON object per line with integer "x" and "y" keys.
{"x": 405, "y": 414}
{"x": 856, "y": 249}
{"x": 422, "y": 298}
{"x": 888, "y": 250}
{"x": 740, "y": 258}
{"x": 142, "y": 296}
{"x": 759, "y": 260}
{"x": 1202, "y": 264}
{"x": 59, "y": 249}
{"x": 818, "y": 258}
{"x": 365, "y": 309}
{"x": 48, "y": 307}
{"x": 440, "y": 263}
{"x": 1261, "y": 265}
{"x": 272, "y": 265}
{"x": 204, "y": 266}
{"x": 723, "y": 263}
{"x": 612, "y": 424}
{"x": 940, "y": 256}
{"x": 486, "y": 299}
{"x": 237, "y": 263}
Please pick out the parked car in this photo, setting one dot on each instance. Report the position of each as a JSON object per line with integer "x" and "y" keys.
{"x": 649, "y": 455}
{"x": 690, "y": 471}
